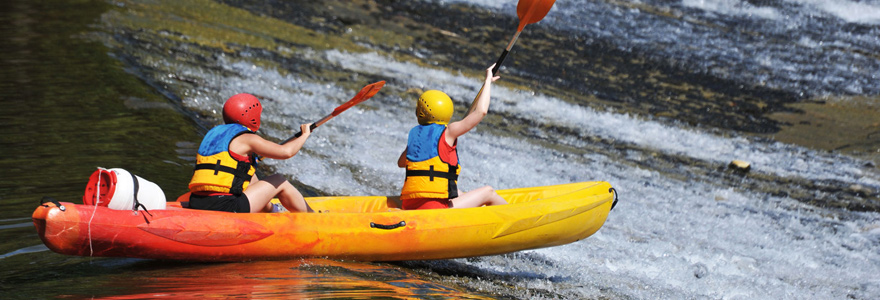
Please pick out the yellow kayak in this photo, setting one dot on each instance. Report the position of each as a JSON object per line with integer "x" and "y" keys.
{"x": 364, "y": 228}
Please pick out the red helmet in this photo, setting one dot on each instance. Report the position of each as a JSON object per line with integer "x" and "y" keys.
{"x": 244, "y": 109}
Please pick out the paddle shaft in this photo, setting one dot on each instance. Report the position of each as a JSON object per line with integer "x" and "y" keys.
{"x": 495, "y": 69}
{"x": 365, "y": 93}
{"x": 528, "y": 12}
{"x": 504, "y": 54}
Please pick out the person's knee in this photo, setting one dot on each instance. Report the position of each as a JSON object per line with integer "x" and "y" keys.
{"x": 493, "y": 196}
{"x": 487, "y": 190}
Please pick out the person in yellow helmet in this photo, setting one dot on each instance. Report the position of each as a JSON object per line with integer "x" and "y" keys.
{"x": 224, "y": 177}
{"x": 431, "y": 157}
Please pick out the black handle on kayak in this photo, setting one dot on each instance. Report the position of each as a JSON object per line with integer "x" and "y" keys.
{"x": 50, "y": 199}
{"x": 387, "y": 227}
{"x": 613, "y": 204}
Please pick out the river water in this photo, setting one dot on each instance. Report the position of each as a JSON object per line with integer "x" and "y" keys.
{"x": 655, "y": 97}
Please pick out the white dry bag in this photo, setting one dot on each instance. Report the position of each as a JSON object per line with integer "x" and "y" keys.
{"x": 118, "y": 189}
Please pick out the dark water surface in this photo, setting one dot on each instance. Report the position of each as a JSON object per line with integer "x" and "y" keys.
{"x": 69, "y": 107}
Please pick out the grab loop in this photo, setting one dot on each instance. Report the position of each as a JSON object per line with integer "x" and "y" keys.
{"x": 613, "y": 204}
{"x": 50, "y": 199}
{"x": 387, "y": 227}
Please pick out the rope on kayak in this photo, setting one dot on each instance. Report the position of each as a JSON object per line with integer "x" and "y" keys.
{"x": 94, "y": 210}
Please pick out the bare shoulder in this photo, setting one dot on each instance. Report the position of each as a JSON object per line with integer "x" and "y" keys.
{"x": 459, "y": 128}
{"x": 248, "y": 138}
{"x": 245, "y": 143}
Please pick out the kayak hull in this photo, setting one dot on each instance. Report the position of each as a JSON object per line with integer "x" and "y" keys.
{"x": 367, "y": 228}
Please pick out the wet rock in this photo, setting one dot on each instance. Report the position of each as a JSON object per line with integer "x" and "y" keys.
{"x": 414, "y": 91}
{"x": 860, "y": 190}
{"x": 740, "y": 166}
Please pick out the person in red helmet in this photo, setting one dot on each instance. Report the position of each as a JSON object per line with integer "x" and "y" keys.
{"x": 224, "y": 178}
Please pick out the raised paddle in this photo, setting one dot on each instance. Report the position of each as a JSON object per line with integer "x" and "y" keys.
{"x": 368, "y": 91}
{"x": 529, "y": 12}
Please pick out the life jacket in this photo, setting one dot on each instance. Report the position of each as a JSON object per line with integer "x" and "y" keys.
{"x": 428, "y": 176}
{"x": 217, "y": 171}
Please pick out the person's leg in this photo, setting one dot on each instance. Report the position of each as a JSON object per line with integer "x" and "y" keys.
{"x": 478, "y": 197}
{"x": 260, "y": 193}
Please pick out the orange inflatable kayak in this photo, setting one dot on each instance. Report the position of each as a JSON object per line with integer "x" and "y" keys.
{"x": 364, "y": 228}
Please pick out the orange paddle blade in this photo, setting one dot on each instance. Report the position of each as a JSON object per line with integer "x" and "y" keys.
{"x": 532, "y": 11}
{"x": 368, "y": 91}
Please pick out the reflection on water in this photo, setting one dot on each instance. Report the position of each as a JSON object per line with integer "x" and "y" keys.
{"x": 31, "y": 249}
{"x": 299, "y": 279}
{"x": 53, "y": 275}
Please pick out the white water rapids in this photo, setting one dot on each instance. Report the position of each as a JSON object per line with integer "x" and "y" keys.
{"x": 669, "y": 238}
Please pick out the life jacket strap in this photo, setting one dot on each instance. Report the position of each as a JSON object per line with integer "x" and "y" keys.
{"x": 239, "y": 174}
{"x": 216, "y": 167}
{"x": 449, "y": 175}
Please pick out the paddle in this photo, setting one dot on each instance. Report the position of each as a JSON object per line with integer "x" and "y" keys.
{"x": 368, "y": 91}
{"x": 529, "y": 12}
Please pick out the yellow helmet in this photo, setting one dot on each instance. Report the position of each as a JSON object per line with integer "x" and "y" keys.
{"x": 434, "y": 107}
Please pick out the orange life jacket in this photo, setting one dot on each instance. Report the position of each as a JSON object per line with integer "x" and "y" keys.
{"x": 427, "y": 174}
{"x": 216, "y": 170}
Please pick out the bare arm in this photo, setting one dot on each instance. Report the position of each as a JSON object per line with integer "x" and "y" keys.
{"x": 247, "y": 143}
{"x": 401, "y": 161}
{"x": 478, "y": 111}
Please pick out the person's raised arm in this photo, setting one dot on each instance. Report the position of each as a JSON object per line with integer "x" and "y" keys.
{"x": 478, "y": 111}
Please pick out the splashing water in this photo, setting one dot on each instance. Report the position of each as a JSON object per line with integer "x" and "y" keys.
{"x": 678, "y": 232}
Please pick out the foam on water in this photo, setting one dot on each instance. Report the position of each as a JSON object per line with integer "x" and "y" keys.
{"x": 783, "y": 160}
{"x": 666, "y": 239}
{"x": 866, "y": 12}
{"x": 733, "y": 7}
{"x": 677, "y": 240}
